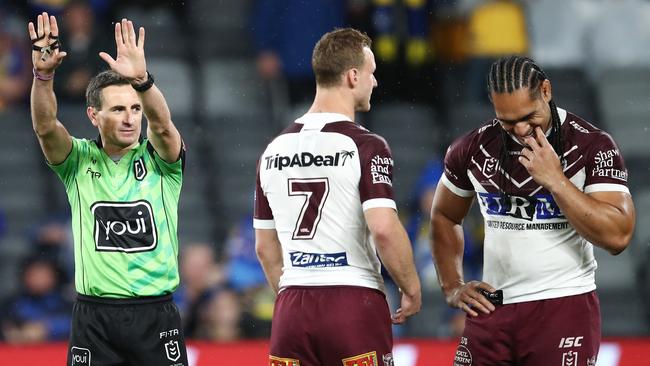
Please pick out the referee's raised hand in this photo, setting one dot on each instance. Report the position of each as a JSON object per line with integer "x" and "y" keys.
{"x": 130, "y": 61}
{"x": 46, "y": 52}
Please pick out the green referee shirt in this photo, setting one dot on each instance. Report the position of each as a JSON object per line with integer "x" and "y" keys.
{"x": 124, "y": 219}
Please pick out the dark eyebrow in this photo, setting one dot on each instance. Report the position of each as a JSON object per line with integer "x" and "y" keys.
{"x": 514, "y": 121}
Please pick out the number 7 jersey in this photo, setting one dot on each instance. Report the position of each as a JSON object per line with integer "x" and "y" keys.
{"x": 314, "y": 181}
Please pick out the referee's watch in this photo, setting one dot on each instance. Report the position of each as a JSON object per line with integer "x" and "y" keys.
{"x": 141, "y": 88}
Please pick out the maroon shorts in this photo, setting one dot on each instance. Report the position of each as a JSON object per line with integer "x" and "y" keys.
{"x": 331, "y": 325}
{"x": 564, "y": 331}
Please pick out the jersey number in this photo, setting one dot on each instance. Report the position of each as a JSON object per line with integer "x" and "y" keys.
{"x": 315, "y": 191}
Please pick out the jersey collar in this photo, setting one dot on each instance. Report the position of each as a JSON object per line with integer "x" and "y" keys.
{"x": 100, "y": 144}
{"x": 316, "y": 119}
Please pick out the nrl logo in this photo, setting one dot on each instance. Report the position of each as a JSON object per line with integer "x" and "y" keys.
{"x": 172, "y": 350}
{"x": 490, "y": 167}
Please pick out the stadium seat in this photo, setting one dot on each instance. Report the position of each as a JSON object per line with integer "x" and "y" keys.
{"x": 573, "y": 91}
{"x": 616, "y": 44}
{"x": 237, "y": 141}
{"x": 232, "y": 87}
{"x": 465, "y": 117}
{"x": 623, "y": 95}
{"x": 174, "y": 78}
{"x": 222, "y": 27}
{"x": 22, "y": 189}
{"x": 165, "y": 35}
{"x": 557, "y": 31}
{"x": 414, "y": 137}
{"x": 195, "y": 215}
{"x": 640, "y": 247}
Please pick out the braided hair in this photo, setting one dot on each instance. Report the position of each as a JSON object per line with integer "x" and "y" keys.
{"x": 512, "y": 73}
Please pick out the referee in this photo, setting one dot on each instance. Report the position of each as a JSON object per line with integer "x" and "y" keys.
{"x": 123, "y": 191}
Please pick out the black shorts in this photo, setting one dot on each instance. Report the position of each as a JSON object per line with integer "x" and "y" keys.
{"x": 139, "y": 331}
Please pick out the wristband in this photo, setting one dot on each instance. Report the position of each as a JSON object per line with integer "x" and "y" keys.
{"x": 42, "y": 77}
{"x": 144, "y": 86}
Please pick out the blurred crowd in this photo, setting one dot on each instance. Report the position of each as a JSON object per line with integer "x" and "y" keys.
{"x": 431, "y": 52}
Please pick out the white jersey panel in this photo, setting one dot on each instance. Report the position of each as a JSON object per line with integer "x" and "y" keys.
{"x": 311, "y": 180}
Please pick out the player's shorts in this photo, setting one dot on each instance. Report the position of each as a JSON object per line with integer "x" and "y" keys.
{"x": 564, "y": 331}
{"x": 331, "y": 325}
{"x": 139, "y": 331}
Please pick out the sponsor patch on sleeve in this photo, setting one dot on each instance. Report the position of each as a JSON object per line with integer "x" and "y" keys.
{"x": 366, "y": 359}
{"x": 278, "y": 361}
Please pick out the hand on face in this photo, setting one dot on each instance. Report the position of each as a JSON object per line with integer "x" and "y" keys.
{"x": 540, "y": 160}
{"x": 130, "y": 61}
{"x": 43, "y": 36}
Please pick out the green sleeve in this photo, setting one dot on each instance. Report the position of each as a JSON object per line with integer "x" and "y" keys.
{"x": 171, "y": 170}
{"x": 67, "y": 170}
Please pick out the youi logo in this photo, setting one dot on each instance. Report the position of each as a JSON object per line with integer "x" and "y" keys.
{"x": 124, "y": 226}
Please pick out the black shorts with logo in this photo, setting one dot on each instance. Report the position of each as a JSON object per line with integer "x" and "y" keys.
{"x": 138, "y": 331}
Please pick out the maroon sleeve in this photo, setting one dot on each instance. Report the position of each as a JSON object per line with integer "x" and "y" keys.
{"x": 262, "y": 210}
{"x": 456, "y": 162}
{"x": 604, "y": 164}
{"x": 376, "y": 169}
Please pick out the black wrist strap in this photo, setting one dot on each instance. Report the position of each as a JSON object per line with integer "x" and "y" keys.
{"x": 46, "y": 50}
{"x": 144, "y": 86}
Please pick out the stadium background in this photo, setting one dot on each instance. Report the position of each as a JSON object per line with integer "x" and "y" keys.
{"x": 213, "y": 60}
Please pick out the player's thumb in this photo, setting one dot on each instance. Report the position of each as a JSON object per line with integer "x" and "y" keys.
{"x": 106, "y": 57}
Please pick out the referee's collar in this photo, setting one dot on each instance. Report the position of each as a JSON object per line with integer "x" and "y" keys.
{"x": 322, "y": 118}
{"x": 100, "y": 144}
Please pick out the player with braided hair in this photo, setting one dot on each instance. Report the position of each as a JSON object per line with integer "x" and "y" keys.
{"x": 550, "y": 187}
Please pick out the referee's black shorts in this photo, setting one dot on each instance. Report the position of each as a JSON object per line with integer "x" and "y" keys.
{"x": 121, "y": 332}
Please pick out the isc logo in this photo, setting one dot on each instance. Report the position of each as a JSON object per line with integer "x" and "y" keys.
{"x": 569, "y": 342}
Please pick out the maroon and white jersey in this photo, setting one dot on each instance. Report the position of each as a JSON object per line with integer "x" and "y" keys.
{"x": 314, "y": 182}
{"x": 531, "y": 251}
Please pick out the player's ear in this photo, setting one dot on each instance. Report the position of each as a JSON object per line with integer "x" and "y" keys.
{"x": 352, "y": 77}
{"x": 92, "y": 115}
{"x": 547, "y": 91}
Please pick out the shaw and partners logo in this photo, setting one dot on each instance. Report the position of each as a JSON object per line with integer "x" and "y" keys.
{"x": 540, "y": 206}
{"x": 380, "y": 170}
{"x": 318, "y": 260}
{"x": 124, "y": 226}
{"x": 305, "y": 159}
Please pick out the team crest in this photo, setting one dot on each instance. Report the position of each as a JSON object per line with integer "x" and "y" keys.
{"x": 278, "y": 361}
{"x": 388, "y": 359}
{"x": 570, "y": 358}
{"x": 490, "y": 167}
{"x": 139, "y": 169}
{"x": 366, "y": 359}
{"x": 172, "y": 350}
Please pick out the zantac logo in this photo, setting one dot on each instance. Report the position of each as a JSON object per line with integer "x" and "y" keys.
{"x": 318, "y": 260}
{"x": 306, "y": 159}
{"x": 124, "y": 226}
{"x": 540, "y": 206}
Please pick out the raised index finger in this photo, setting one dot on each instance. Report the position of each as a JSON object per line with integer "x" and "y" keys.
{"x": 540, "y": 136}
